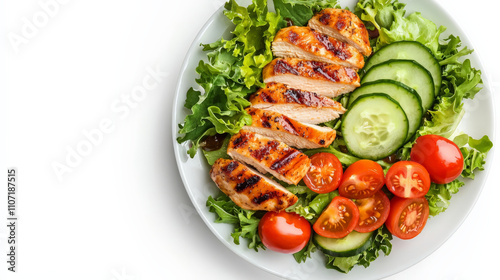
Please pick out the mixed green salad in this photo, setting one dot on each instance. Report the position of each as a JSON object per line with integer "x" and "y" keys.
{"x": 233, "y": 71}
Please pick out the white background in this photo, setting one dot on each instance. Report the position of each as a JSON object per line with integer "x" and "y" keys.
{"x": 121, "y": 211}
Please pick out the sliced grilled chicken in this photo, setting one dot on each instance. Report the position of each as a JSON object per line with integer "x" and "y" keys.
{"x": 269, "y": 155}
{"x": 303, "y": 106}
{"x": 287, "y": 130}
{"x": 249, "y": 189}
{"x": 305, "y": 43}
{"x": 344, "y": 26}
{"x": 322, "y": 78}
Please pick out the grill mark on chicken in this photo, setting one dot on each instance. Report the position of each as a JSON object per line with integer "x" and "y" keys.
{"x": 339, "y": 49}
{"x": 283, "y": 128}
{"x": 313, "y": 70}
{"x": 341, "y": 23}
{"x": 299, "y": 105}
{"x": 344, "y": 26}
{"x": 293, "y": 95}
{"x": 284, "y": 161}
{"x": 248, "y": 189}
{"x": 266, "y": 97}
{"x": 282, "y": 67}
{"x": 241, "y": 140}
{"x": 293, "y": 37}
{"x": 264, "y": 197}
{"x": 247, "y": 183}
{"x": 288, "y": 125}
{"x": 329, "y": 75}
{"x": 266, "y": 123}
{"x": 230, "y": 167}
{"x": 351, "y": 73}
{"x": 303, "y": 97}
{"x": 324, "y": 18}
{"x": 306, "y": 43}
{"x": 262, "y": 152}
{"x": 265, "y": 150}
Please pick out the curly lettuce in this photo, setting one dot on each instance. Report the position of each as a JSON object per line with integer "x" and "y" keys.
{"x": 298, "y": 12}
{"x": 233, "y": 70}
{"x": 388, "y": 17}
{"x": 245, "y": 221}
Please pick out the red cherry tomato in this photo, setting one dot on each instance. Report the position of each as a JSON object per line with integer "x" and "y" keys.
{"x": 373, "y": 212}
{"x": 362, "y": 179}
{"x": 441, "y": 157}
{"x": 338, "y": 219}
{"x": 408, "y": 179}
{"x": 407, "y": 217}
{"x": 284, "y": 232}
{"x": 325, "y": 173}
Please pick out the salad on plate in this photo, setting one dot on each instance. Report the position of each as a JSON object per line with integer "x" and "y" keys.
{"x": 332, "y": 129}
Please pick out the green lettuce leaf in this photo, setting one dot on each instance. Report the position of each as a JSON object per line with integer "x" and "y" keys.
{"x": 439, "y": 196}
{"x": 380, "y": 13}
{"x": 310, "y": 208}
{"x": 305, "y": 196}
{"x": 306, "y": 252}
{"x": 388, "y": 17}
{"x": 232, "y": 72}
{"x": 245, "y": 222}
{"x": 412, "y": 28}
{"x": 475, "y": 154}
{"x": 300, "y": 11}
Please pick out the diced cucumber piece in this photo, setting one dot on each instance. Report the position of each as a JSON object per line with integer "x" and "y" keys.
{"x": 407, "y": 97}
{"x": 407, "y": 72}
{"x": 374, "y": 127}
{"x": 409, "y": 50}
{"x": 351, "y": 245}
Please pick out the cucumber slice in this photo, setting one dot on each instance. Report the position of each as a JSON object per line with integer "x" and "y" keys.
{"x": 407, "y": 97}
{"x": 351, "y": 245}
{"x": 409, "y": 50}
{"x": 407, "y": 72}
{"x": 374, "y": 127}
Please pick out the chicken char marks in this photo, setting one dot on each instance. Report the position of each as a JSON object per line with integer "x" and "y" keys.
{"x": 289, "y": 131}
{"x": 297, "y": 104}
{"x": 344, "y": 26}
{"x": 269, "y": 155}
{"x": 248, "y": 189}
{"x": 305, "y": 43}
{"x": 325, "y": 79}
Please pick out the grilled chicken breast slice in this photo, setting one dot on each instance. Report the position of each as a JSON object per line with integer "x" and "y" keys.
{"x": 248, "y": 189}
{"x": 269, "y": 155}
{"x": 305, "y": 43}
{"x": 287, "y": 130}
{"x": 303, "y": 106}
{"x": 344, "y": 26}
{"x": 322, "y": 78}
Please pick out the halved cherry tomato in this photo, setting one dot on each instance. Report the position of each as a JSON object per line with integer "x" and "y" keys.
{"x": 408, "y": 179}
{"x": 284, "y": 232}
{"x": 441, "y": 157}
{"x": 407, "y": 217}
{"x": 373, "y": 212}
{"x": 338, "y": 219}
{"x": 362, "y": 179}
{"x": 325, "y": 173}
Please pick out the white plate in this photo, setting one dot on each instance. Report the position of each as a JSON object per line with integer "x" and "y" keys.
{"x": 195, "y": 172}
